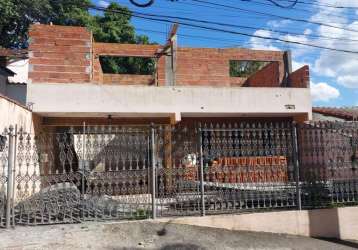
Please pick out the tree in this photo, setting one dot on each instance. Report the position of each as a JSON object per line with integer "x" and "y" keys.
{"x": 245, "y": 68}
{"x": 116, "y": 28}
{"x": 18, "y": 15}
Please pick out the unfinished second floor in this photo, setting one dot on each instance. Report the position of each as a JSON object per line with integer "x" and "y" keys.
{"x": 69, "y": 75}
{"x": 62, "y": 54}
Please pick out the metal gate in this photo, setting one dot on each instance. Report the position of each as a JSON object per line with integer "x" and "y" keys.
{"x": 77, "y": 174}
{"x": 328, "y": 163}
{"x": 249, "y": 166}
{"x": 4, "y": 149}
{"x": 71, "y": 175}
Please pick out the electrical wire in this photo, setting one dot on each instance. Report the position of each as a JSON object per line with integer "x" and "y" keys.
{"x": 151, "y": 2}
{"x": 148, "y": 17}
{"x": 320, "y": 4}
{"x": 247, "y": 27}
{"x": 291, "y": 5}
{"x": 276, "y": 16}
{"x": 310, "y": 11}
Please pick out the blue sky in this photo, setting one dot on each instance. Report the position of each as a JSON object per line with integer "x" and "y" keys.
{"x": 334, "y": 75}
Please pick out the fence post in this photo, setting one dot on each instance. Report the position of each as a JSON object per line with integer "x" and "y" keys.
{"x": 154, "y": 176}
{"x": 11, "y": 159}
{"x": 202, "y": 190}
{"x": 83, "y": 169}
{"x": 14, "y": 177}
{"x": 296, "y": 165}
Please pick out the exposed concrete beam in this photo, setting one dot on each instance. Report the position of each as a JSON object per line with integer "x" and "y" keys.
{"x": 133, "y": 50}
{"x": 149, "y": 101}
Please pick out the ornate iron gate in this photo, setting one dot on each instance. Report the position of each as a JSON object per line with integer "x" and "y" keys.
{"x": 71, "y": 175}
{"x": 249, "y": 166}
{"x": 4, "y": 148}
{"x": 329, "y": 163}
{"x": 177, "y": 175}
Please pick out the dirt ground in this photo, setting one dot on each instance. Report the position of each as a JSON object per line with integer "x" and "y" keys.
{"x": 152, "y": 235}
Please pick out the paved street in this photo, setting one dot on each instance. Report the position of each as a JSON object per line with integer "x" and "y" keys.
{"x": 150, "y": 235}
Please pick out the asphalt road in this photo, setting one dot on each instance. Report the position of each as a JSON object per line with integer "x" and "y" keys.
{"x": 153, "y": 235}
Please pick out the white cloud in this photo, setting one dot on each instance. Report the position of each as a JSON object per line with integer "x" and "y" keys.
{"x": 259, "y": 43}
{"x": 323, "y": 92}
{"x": 339, "y": 65}
{"x": 278, "y": 24}
{"x": 103, "y": 4}
{"x": 307, "y": 32}
{"x": 299, "y": 64}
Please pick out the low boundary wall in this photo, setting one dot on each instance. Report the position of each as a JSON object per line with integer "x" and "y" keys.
{"x": 339, "y": 223}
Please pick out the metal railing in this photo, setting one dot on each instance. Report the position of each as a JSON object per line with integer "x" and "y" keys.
{"x": 70, "y": 175}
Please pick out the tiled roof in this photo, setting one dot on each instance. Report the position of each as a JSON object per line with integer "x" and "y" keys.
{"x": 14, "y": 101}
{"x": 347, "y": 113}
{"x": 7, "y": 72}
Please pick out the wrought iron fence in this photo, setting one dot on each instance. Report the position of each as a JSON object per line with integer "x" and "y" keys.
{"x": 248, "y": 166}
{"x": 4, "y": 148}
{"x": 329, "y": 163}
{"x": 177, "y": 166}
{"x": 70, "y": 175}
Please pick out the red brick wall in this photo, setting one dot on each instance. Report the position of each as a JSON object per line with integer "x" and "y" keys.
{"x": 66, "y": 54}
{"x": 268, "y": 76}
{"x": 300, "y": 78}
{"x": 60, "y": 54}
{"x": 123, "y": 79}
{"x": 204, "y": 66}
{"x": 116, "y": 49}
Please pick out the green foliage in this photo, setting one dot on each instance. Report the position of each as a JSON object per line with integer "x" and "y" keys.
{"x": 245, "y": 68}
{"x": 116, "y": 28}
{"x": 127, "y": 65}
{"x": 18, "y": 15}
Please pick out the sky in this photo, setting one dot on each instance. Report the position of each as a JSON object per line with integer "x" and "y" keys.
{"x": 334, "y": 74}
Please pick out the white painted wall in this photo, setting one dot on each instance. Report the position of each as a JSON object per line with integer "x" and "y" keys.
{"x": 139, "y": 101}
{"x": 340, "y": 223}
{"x": 12, "y": 113}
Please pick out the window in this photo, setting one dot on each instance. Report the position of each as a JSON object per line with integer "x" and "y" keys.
{"x": 127, "y": 65}
{"x": 245, "y": 68}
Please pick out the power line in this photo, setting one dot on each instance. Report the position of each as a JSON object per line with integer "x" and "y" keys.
{"x": 282, "y": 32}
{"x": 245, "y": 27}
{"x": 292, "y": 4}
{"x": 248, "y": 27}
{"x": 329, "y": 14}
{"x": 150, "y": 2}
{"x": 147, "y": 17}
{"x": 276, "y": 16}
{"x": 317, "y": 3}
{"x": 304, "y": 10}
{"x": 232, "y": 42}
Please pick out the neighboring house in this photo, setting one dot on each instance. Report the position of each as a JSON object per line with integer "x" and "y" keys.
{"x": 335, "y": 114}
{"x": 13, "y": 113}
{"x": 5, "y": 73}
{"x": 67, "y": 85}
{"x": 14, "y": 74}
